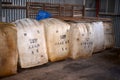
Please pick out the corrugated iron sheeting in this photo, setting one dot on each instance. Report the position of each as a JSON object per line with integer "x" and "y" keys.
{"x": 117, "y": 23}
{"x": 13, "y": 14}
{"x": 116, "y": 19}
{"x": 9, "y": 15}
{"x": 0, "y": 11}
{"x": 90, "y": 4}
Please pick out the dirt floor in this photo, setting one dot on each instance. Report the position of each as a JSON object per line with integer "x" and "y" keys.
{"x": 101, "y": 66}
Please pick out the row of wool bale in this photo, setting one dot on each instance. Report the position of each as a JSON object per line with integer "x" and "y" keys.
{"x": 35, "y": 43}
{"x": 31, "y": 43}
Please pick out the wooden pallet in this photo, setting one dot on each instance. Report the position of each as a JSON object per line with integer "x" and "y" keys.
{"x": 63, "y": 10}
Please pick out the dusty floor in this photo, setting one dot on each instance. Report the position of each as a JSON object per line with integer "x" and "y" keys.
{"x": 102, "y": 66}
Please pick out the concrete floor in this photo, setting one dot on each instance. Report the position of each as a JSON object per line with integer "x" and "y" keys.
{"x": 101, "y": 66}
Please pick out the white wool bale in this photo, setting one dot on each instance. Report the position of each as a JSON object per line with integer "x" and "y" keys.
{"x": 99, "y": 38}
{"x": 31, "y": 43}
{"x": 57, "y": 35}
{"x": 109, "y": 36}
{"x": 8, "y": 50}
{"x": 81, "y": 40}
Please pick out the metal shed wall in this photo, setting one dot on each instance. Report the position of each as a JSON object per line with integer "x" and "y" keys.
{"x": 116, "y": 22}
{"x": 112, "y": 7}
{"x": 0, "y": 12}
{"x": 9, "y": 15}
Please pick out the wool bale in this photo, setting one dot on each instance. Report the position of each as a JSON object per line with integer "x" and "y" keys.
{"x": 31, "y": 43}
{"x": 81, "y": 40}
{"x": 99, "y": 38}
{"x": 57, "y": 37}
{"x": 8, "y": 49}
{"x": 109, "y": 36}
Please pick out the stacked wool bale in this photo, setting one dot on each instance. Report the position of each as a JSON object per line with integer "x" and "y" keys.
{"x": 104, "y": 35}
{"x": 109, "y": 36}
{"x": 63, "y": 40}
{"x": 99, "y": 37}
{"x": 81, "y": 40}
{"x": 8, "y": 50}
{"x": 108, "y": 31}
{"x": 57, "y": 38}
{"x": 31, "y": 43}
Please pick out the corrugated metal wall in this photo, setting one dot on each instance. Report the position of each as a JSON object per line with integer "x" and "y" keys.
{"x": 114, "y": 8}
{"x": 0, "y": 12}
{"x": 107, "y": 6}
{"x": 9, "y": 15}
{"x": 90, "y": 4}
{"x": 74, "y": 1}
{"x": 117, "y": 23}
